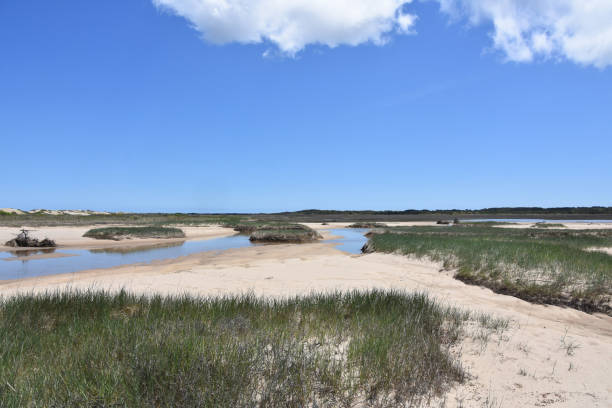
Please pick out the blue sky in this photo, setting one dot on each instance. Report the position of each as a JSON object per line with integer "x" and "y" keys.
{"x": 125, "y": 105}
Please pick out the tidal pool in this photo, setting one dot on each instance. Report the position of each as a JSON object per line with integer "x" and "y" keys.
{"x": 18, "y": 264}
{"x": 351, "y": 241}
{"x": 13, "y": 268}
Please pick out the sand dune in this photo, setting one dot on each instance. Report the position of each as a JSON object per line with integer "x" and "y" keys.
{"x": 11, "y": 211}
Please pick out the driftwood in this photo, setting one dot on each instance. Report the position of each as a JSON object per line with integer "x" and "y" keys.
{"x": 24, "y": 240}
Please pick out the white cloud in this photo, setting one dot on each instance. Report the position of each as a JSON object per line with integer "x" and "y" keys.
{"x": 524, "y": 30}
{"x": 579, "y": 30}
{"x": 293, "y": 24}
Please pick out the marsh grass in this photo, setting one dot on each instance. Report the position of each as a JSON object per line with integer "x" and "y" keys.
{"x": 547, "y": 266}
{"x": 368, "y": 225}
{"x": 548, "y": 225}
{"x": 487, "y": 223}
{"x": 249, "y": 227}
{"x": 291, "y": 235}
{"x": 276, "y": 232}
{"x": 87, "y": 349}
{"x": 118, "y": 233}
{"x": 159, "y": 219}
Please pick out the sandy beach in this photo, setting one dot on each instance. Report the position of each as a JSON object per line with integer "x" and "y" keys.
{"x": 530, "y": 364}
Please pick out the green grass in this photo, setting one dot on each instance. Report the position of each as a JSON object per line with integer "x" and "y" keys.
{"x": 276, "y": 231}
{"x": 281, "y": 234}
{"x": 118, "y": 233}
{"x": 547, "y": 266}
{"x": 91, "y": 349}
{"x": 40, "y": 219}
{"x": 248, "y": 227}
{"x": 367, "y": 225}
{"x": 488, "y": 223}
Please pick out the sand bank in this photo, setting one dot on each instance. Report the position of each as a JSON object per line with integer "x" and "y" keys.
{"x": 72, "y": 237}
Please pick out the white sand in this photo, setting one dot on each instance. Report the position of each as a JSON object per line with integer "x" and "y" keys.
{"x": 527, "y": 365}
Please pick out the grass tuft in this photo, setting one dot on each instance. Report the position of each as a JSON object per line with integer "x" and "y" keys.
{"x": 118, "y": 233}
{"x": 548, "y": 225}
{"x": 285, "y": 235}
{"x": 276, "y": 232}
{"x": 368, "y": 225}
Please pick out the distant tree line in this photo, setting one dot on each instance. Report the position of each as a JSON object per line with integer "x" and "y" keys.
{"x": 484, "y": 211}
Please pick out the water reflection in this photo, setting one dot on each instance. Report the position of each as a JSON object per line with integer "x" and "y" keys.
{"x": 112, "y": 257}
{"x": 138, "y": 248}
{"x": 75, "y": 260}
{"x": 20, "y": 253}
{"x": 352, "y": 239}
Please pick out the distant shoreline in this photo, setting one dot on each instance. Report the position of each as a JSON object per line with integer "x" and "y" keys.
{"x": 74, "y": 217}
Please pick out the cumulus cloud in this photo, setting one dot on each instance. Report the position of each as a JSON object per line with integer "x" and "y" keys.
{"x": 579, "y": 30}
{"x": 524, "y": 30}
{"x": 293, "y": 24}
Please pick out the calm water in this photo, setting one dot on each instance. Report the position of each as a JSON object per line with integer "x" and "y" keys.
{"x": 83, "y": 259}
{"x": 110, "y": 257}
{"x": 352, "y": 239}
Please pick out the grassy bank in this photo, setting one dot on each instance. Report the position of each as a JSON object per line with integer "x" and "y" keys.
{"x": 248, "y": 227}
{"x": 548, "y": 225}
{"x": 548, "y": 266}
{"x": 282, "y": 235}
{"x": 295, "y": 233}
{"x": 261, "y": 231}
{"x": 383, "y": 349}
{"x": 118, "y": 233}
{"x": 367, "y": 225}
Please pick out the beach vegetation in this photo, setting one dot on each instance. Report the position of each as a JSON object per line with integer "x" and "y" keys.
{"x": 96, "y": 349}
{"x": 289, "y": 234}
{"x": 368, "y": 225}
{"x": 543, "y": 266}
{"x": 548, "y": 225}
{"x": 119, "y": 233}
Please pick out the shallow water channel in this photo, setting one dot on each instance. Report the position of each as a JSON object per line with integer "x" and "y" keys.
{"x": 74, "y": 260}
{"x": 351, "y": 241}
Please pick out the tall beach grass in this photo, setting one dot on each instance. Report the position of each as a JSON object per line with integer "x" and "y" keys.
{"x": 94, "y": 349}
